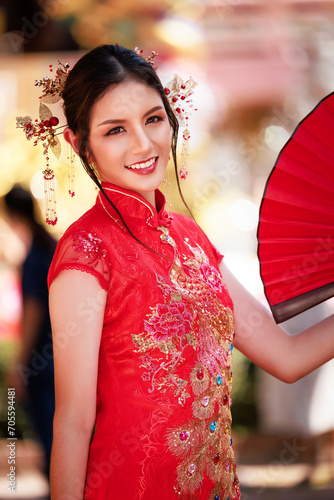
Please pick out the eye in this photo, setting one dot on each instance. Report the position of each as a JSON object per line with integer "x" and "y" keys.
{"x": 115, "y": 131}
{"x": 155, "y": 119}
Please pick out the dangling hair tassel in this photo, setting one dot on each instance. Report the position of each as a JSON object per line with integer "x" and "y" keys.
{"x": 185, "y": 154}
{"x": 50, "y": 196}
{"x": 71, "y": 171}
{"x": 178, "y": 94}
{"x": 167, "y": 192}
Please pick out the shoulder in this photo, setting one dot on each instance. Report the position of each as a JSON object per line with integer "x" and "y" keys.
{"x": 184, "y": 222}
{"x": 86, "y": 234}
{"x": 89, "y": 219}
{"x": 91, "y": 225}
{"x": 188, "y": 228}
{"x": 83, "y": 247}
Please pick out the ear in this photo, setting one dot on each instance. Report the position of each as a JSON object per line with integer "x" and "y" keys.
{"x": 72, "y": 139}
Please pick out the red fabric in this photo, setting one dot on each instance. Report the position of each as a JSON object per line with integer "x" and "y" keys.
{"x": 163, "y": 425}
{"x": 295, "y": 233}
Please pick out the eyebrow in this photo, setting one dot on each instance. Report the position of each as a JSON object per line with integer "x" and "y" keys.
{"x": 120, "y": 120}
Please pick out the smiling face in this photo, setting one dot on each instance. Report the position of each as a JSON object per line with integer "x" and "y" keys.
{"x": 130, "y": 137}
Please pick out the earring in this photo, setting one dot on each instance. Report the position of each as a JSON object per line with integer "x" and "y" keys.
{"x": 178, "y": 94}
{"x": 185, "y": 152}
{"x": 50, "y": 196}
{"x": 166, "y": 182}
{"x": 70, "y": 170}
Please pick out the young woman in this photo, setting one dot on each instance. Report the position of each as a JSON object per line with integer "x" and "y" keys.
{"x": 145, "y": 313}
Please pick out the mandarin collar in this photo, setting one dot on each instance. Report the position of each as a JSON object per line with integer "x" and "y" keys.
{"x": 133, "y": 205}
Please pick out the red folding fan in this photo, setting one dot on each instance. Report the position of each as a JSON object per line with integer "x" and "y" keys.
{"x": 296, "y": 225}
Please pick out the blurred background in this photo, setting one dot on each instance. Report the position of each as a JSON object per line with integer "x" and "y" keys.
{"x": 261, "y": 66}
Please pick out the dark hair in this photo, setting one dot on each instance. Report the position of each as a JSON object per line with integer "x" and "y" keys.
{"x": 19, "y": 201}
{"x": 87, "y": 82}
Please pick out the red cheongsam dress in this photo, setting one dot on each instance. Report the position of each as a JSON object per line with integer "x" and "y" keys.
{"x": 163, "y": 420}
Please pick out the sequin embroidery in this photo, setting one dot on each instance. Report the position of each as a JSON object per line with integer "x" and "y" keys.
{"x": 193, "y": 317}
{"x": 88, "y": 243}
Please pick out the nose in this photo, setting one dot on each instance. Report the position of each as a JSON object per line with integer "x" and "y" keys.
{"x": 141, "y": 142}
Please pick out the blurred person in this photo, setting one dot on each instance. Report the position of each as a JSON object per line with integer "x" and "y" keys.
{"x": 32, "y": 374}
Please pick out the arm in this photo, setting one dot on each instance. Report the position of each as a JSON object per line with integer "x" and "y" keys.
{"x": 287, "y": 357}
{"x": 77, "y": 304}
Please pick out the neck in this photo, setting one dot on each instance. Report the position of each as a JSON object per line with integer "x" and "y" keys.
{"x": 150, "y": 197}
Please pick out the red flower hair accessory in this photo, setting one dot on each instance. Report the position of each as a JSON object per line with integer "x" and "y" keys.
{"x": 45, "y": 129}
{"x": 178, "y": 93}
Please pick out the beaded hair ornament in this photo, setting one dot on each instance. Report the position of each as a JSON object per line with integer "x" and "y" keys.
{"x": 45, "y": 128}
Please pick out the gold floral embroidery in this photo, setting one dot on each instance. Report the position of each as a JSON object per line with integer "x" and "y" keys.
{"x": 169, "y": 328}
{"x": 193, "y": 316}
{"x": 204, "y": 444}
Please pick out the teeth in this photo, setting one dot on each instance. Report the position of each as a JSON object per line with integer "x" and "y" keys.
{"x": 142, "y": 165}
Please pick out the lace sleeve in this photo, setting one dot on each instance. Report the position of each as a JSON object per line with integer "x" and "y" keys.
{"x": 84, "y": 251}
